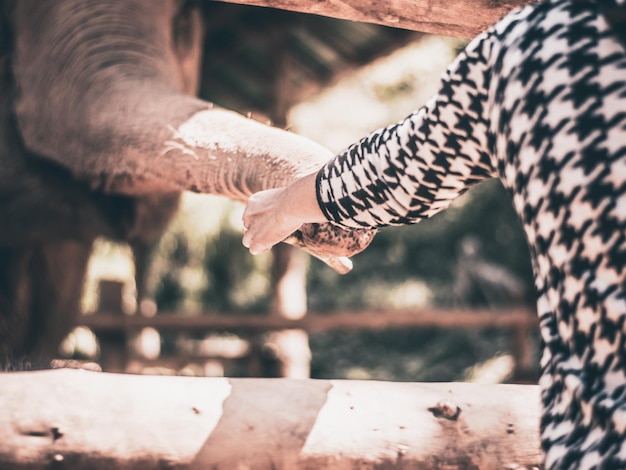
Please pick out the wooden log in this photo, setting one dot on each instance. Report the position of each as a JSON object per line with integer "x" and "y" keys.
{"x": 87, "y": 420}
{"x": 459, "y": 18}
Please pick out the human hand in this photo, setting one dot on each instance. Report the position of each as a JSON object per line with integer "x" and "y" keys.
{"x": 292, "y": 215}
{"x": 268, "y": 219}
{"x": 273, "y": 215}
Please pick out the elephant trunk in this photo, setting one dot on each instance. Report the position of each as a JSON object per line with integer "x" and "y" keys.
{"x": 182, "y": 143}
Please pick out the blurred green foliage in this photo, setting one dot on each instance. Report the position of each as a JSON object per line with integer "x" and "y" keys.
{"x": 429, "y": 251}
{"x": 426, "y": 355}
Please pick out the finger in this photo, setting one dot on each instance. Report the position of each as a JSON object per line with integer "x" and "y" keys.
{"x": 245, "y": 220}
{"x": 246, "y": 240}
{"x": 259, "y": 249}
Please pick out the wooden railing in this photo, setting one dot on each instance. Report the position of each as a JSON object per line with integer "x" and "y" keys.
{"x": 113, "y": 327}
{"x": 459, "y": 18}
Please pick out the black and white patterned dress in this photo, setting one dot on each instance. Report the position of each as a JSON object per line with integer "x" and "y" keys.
{"x": 539, "y": 101}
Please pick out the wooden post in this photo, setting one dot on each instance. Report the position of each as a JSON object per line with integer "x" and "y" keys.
{"x": 524, "y": 353}
{"x": 85, "y": 420}
{"x": 114, "y": 342}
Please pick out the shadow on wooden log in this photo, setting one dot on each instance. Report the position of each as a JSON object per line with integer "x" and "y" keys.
{"x": 85, "y": 420}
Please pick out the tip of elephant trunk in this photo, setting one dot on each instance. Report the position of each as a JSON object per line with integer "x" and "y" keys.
{"x": 341, "y": 264}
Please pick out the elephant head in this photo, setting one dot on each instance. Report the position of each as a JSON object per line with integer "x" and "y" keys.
{"x": 105, "y": 90}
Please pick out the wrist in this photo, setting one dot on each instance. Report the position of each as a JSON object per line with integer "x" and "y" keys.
{"x": 301, "y": 198}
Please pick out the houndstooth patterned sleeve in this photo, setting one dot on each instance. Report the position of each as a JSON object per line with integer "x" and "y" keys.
{"x": 540, "y": 102}
{"x": 415, "y": 168}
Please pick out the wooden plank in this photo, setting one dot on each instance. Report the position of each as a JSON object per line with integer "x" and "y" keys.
{"x": 459, "y": 18}
{"x": 87, "y": 420}
{"x": 313, "y": 322}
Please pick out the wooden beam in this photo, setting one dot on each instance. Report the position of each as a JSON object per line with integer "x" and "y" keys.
{"x": 87, "y": 420}
{"x": 460, "y": 18}
{"x": 313, "y": 322}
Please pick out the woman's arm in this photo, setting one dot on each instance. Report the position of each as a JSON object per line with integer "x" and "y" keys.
{"x": 415, "y": 168}
{"x": 396, "y": 175}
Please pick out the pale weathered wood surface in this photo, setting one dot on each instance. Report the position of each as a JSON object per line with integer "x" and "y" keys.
{"x": 460, "y": 18}
{"x": 86, "y": 420}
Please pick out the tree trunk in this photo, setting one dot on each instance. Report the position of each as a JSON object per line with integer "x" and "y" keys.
{"x": 84, "y": 420}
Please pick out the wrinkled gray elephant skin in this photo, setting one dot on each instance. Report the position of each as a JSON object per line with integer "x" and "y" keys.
{"x": 100, "y": 132}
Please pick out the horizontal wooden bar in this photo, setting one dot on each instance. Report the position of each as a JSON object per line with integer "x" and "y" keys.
{"x": 86, "y": 420}
{"x": 459, "y": 18}
{"x": 373, "y": 320}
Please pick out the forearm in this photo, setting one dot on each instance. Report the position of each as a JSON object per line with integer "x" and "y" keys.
{"x": 417, "y": 167}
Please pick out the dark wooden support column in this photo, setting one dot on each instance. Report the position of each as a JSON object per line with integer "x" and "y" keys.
{"x": 524, "y": 353}
{"x": 113, "y": 343}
